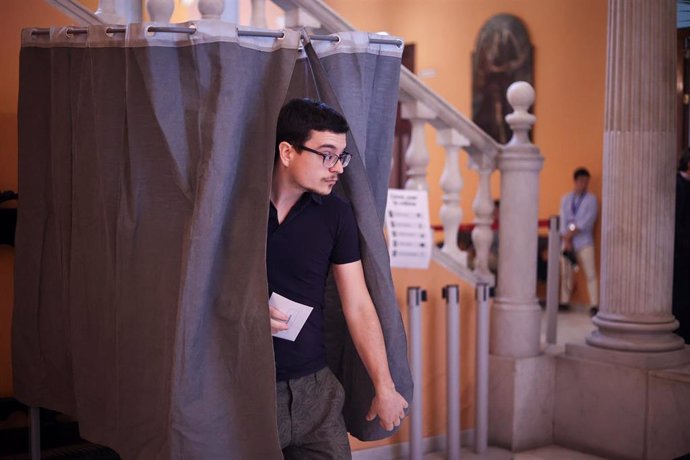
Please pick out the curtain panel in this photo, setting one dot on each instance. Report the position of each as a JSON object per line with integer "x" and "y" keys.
{"x": 144, "y": 165}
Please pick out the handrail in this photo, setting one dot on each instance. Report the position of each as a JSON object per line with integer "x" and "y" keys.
{"x": 77, "y": 11}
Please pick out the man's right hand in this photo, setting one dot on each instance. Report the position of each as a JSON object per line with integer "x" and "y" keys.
{"x": 278, "y": 320}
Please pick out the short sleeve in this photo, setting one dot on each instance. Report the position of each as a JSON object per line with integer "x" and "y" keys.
{"x": 346, "y": 247}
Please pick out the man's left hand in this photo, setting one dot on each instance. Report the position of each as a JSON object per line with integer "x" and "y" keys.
{"x": 389, "y": 406}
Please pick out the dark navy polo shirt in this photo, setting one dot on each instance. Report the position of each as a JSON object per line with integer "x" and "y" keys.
{"x": 317, "y": 232}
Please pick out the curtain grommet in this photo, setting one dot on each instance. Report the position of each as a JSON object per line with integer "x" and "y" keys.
{"x": 149, "y": 32}
{"x": 109, "y": 32}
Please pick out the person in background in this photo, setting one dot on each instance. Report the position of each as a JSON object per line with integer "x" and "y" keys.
{"x": 578, "y": 215}
{"x": 681, "y": 252}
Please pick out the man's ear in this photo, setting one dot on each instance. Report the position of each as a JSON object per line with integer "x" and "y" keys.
{"x": 285, "y": 153}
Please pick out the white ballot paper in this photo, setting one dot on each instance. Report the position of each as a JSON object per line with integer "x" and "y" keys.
{"x": 297, "y": 312}
{"x": 407, "y": 226}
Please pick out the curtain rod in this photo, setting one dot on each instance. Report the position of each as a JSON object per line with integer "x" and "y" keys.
{"x": 192, "y": 30}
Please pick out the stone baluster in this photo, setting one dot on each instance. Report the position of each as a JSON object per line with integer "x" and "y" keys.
{"x": 451, "y": 184}
{"x": 107, "y": 12}
{"x": 160, "y": 10}
{"x": 516, "y": 316}
{"x": 483, "y": 207}
{"x": 259, "y": 14}
{"x": 296, "y": 18}
{"x": 417, "y": 155}
{"x": 211, "y": 9}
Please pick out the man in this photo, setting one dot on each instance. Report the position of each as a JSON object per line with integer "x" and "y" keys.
{"x": 311, "y": 231}
{"x": 578, "y": 215}
{"x": 681, "y": 253}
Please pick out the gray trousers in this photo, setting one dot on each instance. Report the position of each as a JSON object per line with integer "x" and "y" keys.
{"x": 310, "y": 420}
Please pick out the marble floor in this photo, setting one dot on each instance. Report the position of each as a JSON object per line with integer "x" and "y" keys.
{"x": 572, "y": 326}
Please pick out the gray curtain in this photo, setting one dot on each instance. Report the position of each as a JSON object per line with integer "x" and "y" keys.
{"x": 141, "y": 293}
{"x": 361, "y": 80}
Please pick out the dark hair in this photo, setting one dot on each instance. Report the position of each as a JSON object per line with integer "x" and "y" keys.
{"x": 684, "y": 160}
{"x": 299, "y": 116}
{"x": 580, "y": 172}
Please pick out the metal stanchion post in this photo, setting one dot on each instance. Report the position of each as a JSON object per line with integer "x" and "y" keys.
{"x": 552, "y": 280}
{"x": 452, "y": 295}
{"x": 415, "y": 297}
{"x": 35, "y": 436}
{"x": 482, "y": 405}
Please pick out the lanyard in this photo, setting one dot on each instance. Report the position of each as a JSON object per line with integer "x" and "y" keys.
{"x": 575, "y": 203}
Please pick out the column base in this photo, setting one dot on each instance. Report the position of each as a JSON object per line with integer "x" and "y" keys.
{"x": 650, "y": 336}
{"x": 515, "y": 328}
{"x": 521, "y": 401}
{"x": 623, "y": 405}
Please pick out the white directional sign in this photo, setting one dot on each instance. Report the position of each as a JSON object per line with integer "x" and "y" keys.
{"x": 407, "y": 225}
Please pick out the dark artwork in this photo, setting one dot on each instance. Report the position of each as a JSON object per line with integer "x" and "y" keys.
{"x": 503, "y": 55}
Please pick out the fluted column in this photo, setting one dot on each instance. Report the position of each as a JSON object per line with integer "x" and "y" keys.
{"x": 516, "y": 316}
{"x": 638, "y": 186}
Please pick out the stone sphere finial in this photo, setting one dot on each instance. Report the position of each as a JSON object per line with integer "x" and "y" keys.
{"x": 520, "y": 95}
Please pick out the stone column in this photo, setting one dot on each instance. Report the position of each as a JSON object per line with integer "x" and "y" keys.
{"x": 638, "y": 183}
{"x": 516, "y": 316}
{"x": 521, "y": 378}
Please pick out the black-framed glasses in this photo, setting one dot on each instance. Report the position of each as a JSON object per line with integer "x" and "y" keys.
{"x": 329, "y": 159}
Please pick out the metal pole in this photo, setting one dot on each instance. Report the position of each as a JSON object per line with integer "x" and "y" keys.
{"x": 552, "y": 280}
{"x": 35, "y": 434}
{"x": 452, "y": 295}
{"x": 415, "y": 297}
{"x": 482, "y": 415}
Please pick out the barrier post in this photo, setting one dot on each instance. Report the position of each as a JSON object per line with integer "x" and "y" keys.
{"x": 552, "y": 280}
{"x": 452, "y": 295}
{"x": 415, "y": 297}
{"x": 482, "y": 405}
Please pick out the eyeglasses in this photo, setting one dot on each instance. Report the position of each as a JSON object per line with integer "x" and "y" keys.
{"x": 330, "y": 159}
